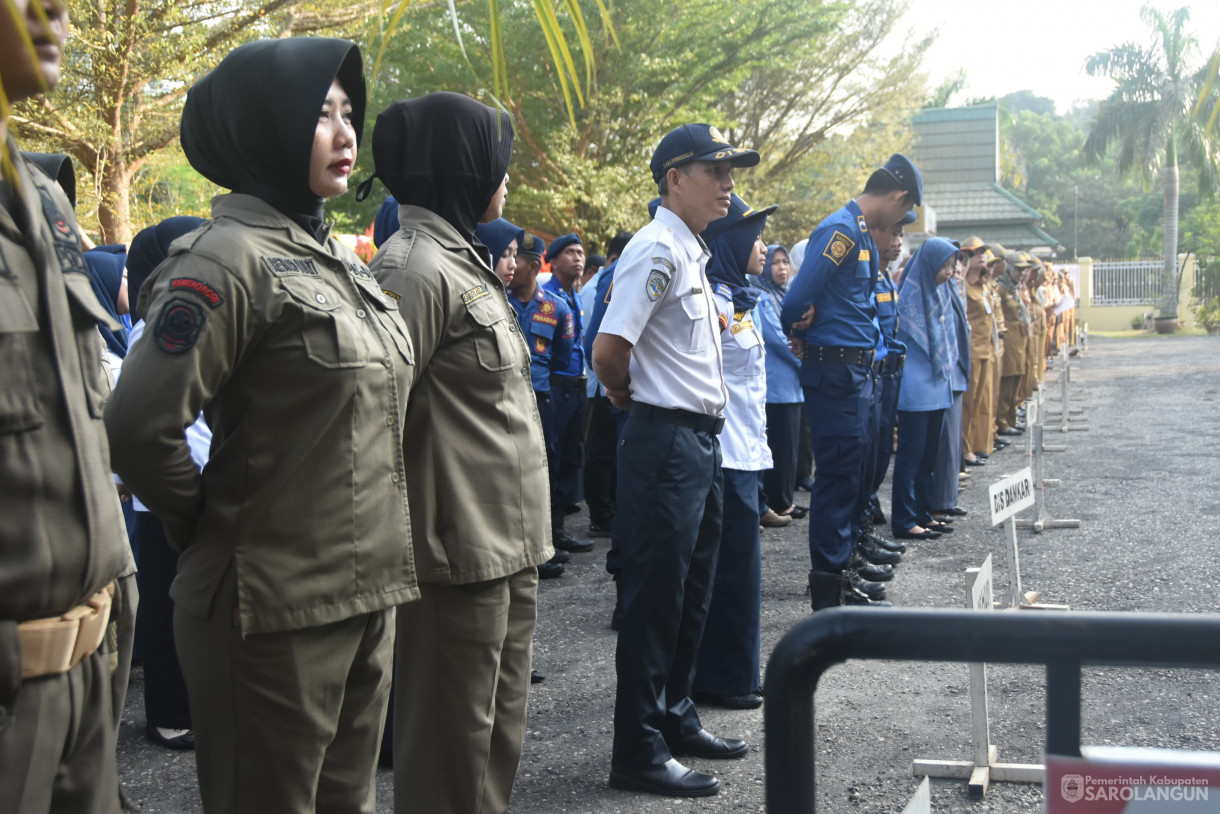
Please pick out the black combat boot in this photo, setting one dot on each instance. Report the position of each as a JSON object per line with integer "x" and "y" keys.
{"x": 876, "y": 554}
{"x": 871, "y": 572}
{"x": 825, "y": 589}
{"x": 564, "y": 541}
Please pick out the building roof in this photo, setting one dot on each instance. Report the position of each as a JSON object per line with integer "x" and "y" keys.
{"x": 955, "y": 202}
{"x": 1019, "y": 236}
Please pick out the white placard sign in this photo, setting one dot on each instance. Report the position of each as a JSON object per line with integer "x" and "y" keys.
{"x": 1012, "y": 495}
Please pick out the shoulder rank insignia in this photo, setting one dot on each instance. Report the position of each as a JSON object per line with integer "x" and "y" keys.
{"x": 395, "y": 297}
{"x": 724, "y": 291}
{"x": 863, "y": 226}
{"x": 658, "y": 281}
{"x": 865, "y": 255}
{"x": 838, "y": 247}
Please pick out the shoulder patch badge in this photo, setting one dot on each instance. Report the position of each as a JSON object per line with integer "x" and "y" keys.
{"x": 666, "y": 263}
{"x": 179, "y": 325}
{"x": 658, "y": 281}
{"x": 475, "y": 294}
{"x": 209, "y": 294}
{"x": 838, "y": 247}
{"x": 863, "y": 226}
{"x": 547, "y": 307}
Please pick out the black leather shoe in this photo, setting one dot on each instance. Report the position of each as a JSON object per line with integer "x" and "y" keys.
{"x": 670, "y": 779}
{"x": 536, "y": 677}
{"x": 975, "y": 462}
{"x": 939, "y": 528}
{"x": 598, "y": 530}
{"x": 910, "y": 535}
{"x": 870, "y": 572}
{"x": 982, "y": 456}
{"x": 876, "y": 554}
{"x": 566, "y": 542}
{"x": 560, "y": 557}
{"x": 550, "y": 570}
{"x": 955, "y": 511}
{"x": 1000, "y": 443}
{"x": 873, "y": 590}
{"x": 706, "y": 745}
{"x": 888, "y": 545}
{"x": 1012, "y": 431}
{"x": 180, "y": 739}
{"x": 750, "y": 700}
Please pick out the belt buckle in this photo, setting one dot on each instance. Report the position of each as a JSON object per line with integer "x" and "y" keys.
{"x": 718, "y": 425}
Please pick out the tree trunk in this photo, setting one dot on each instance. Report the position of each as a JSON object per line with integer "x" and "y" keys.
{"x": 114, "y": 206}
{"x": 1169, "y": 274}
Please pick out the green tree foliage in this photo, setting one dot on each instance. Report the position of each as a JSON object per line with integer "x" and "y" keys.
{"x": 1150, "y": 120}
{"x": 790, "y": 78}
{"x": 127, "y": 68}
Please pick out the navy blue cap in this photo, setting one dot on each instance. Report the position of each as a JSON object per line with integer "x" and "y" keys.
{"x": 907, "y": 175}
{"x": 653, "y": 205}
{"x": 696, "y": 142}
{"x": 739, "y": 211}
{"x": 560, "y": 243}
{"x": 532, "y": 244}
{"x": 909, "y": 218}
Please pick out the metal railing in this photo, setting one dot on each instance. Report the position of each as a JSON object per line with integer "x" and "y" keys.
{"x": 1061, "y": 641}
{"x": 1127, "y": 282}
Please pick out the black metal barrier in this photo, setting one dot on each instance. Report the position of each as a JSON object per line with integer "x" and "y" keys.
{"x": 1061, "y": 641}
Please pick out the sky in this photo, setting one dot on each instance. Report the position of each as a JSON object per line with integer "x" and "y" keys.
{"x": 1039, "y": 45}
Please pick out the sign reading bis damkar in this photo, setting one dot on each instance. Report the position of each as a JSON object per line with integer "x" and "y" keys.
{"x": 1012, "y": 495}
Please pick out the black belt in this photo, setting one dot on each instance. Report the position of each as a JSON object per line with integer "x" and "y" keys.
{"x": 892, "y": 363}
{"x": 847, "y": 356}
{"x": 560, "y": 380}
{"x": 698, "y": 422}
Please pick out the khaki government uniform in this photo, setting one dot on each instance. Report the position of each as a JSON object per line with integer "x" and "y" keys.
{"x": 999, "y": 332}
{"x": 62, "y": 542}
{"x": 1012, "y": 366}
{"x": 478, "y": 487}
{"x": 978, "y": 407}
{"x": 295, "y": 538}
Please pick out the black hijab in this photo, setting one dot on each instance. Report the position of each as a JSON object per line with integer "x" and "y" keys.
{"x": 444, "y": 152}
{"x": 148, "y": 249}
{"x": 249, "y": 125}
{"x": 60, "y": 170}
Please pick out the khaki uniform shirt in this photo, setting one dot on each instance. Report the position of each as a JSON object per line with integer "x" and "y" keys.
{"x": 999, "y": 326}
{"x": 480, "y": 504}
{"x": 980, "y": 320}
{"x": 302, "y": 368}
{"x": 1015, "y": 340}
{"x": 61, "y": 529}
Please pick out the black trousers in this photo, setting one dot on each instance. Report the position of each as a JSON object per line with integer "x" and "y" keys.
{"x": 165, "y": 700}
{"x": 783, "y": 435}
{"x": 601, "y": 461}
{"x": 671, "y": 493}
{"x": 569, "y": 414}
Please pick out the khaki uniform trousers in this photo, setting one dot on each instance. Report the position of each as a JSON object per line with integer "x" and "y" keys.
{"x": 57, "y": 743}
{"x": 285, "y": 722}
{"x": 978, "y": 408}
{"x": 462, "y": 680}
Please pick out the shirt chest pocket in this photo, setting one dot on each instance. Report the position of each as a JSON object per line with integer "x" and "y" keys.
{"x": 692, "y": 335}
{"x": 20, "y": 409}
{"x": 329, "y": 334}
{"x": 495, "y": 345}
{"x": 385, "y": 313}
{"x": 748, "y": 355}
{"x": 542, "y": 328}
{"x": 861, "y": 290}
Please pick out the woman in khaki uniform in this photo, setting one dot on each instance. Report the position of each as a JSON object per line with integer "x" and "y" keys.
{"x": 1016, "y": 341}
{"x": 295, "y": 537}
{"x": 478, "y": 484}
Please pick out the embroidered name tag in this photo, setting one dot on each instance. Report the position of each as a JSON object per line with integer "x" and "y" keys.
{"x": 392, "y": 295}
{"x": 209, "y": 294}
{"x": 291, "y": 266}
{"x": 885, "y": 296}
{"x": 475, "y": 294}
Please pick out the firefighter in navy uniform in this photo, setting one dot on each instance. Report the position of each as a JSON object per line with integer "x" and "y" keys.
{"x": 830, "y": 312}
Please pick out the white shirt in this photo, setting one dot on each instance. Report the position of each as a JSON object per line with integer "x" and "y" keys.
{"x": 198, "y": 435}
{"x": 743, "y": 442}
{"x": 663, "y": 306}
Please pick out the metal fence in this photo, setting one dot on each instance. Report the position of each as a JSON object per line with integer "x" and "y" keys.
{"x": 1127, "y": 282}
{"x": 1064, "y": 642}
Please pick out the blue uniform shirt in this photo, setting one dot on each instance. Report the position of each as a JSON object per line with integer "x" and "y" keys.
{"x": 576, "y": 365}
{"x": 837, "y": 277}
{"x": 549, "y": 329}
{"x": 601, "y": 300}
{"x": 886, "y": 294}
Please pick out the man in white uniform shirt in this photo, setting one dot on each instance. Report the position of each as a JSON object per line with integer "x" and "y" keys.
{"x": 658, "y": 355}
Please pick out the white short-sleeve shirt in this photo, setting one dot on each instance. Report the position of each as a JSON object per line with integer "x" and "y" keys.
{"x": 662, "y": 304}
{"x": 743, "y": 442}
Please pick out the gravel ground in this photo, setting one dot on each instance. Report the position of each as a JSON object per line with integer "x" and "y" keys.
{"x": 1143, "y": 480}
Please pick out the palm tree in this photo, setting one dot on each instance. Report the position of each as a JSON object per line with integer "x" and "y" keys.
{"x": 1153, "y": 119}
